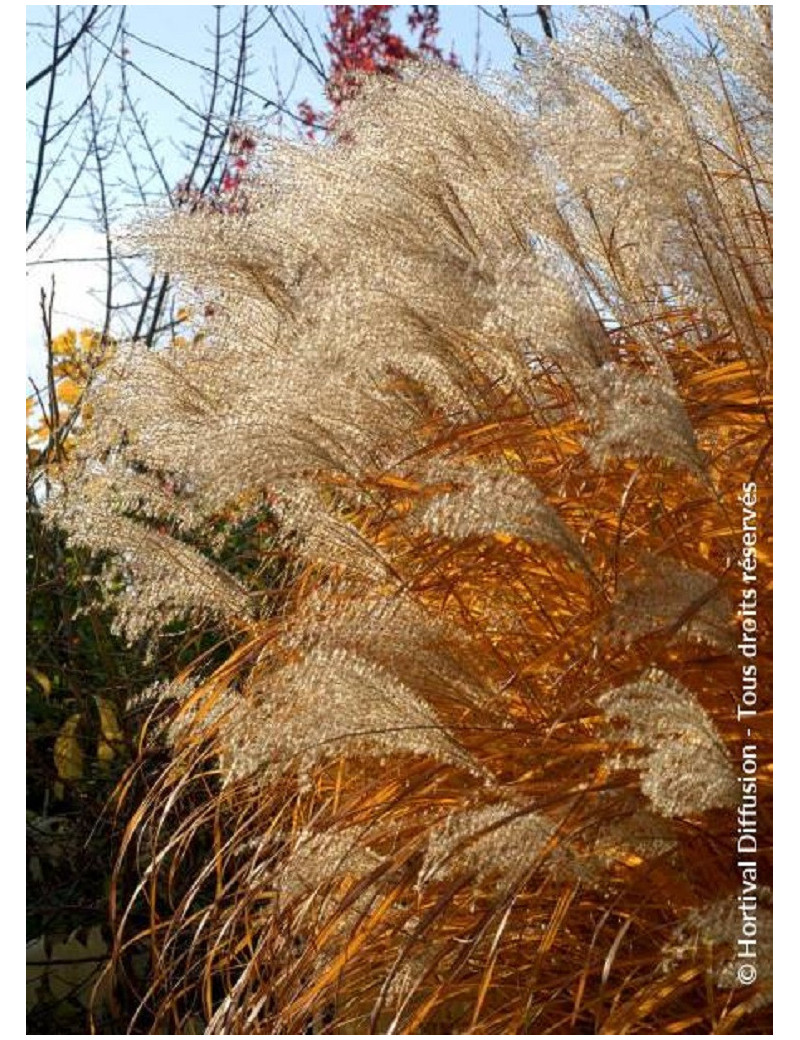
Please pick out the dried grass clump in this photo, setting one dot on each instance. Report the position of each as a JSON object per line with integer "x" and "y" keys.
{"x": 503, "y": 369}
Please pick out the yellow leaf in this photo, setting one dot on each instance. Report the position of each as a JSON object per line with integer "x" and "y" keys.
{"x": 42, "y": 680}
{"x": 182, "y": 315}
{"x": 36, "y": 966}
{"x": 64, "y": 345}
{"x": 76, "y": 965}
{"x": 105, "y": 752}
{"x": 89, "y": 340}
{"x": 68, "y": 391}
{"x": 65, "y": 368}
{"x": 37, "y": 434}
{"x": 111, "y": 735}
{"x": 67, "y": 753}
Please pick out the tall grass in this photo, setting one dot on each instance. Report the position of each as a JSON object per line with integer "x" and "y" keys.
{"x": 501, "y": 369}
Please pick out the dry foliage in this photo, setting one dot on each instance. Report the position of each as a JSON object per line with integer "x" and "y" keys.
{"x": 501, "y": 368}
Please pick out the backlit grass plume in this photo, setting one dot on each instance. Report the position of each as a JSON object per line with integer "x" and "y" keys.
{"x": 502, "y": 371}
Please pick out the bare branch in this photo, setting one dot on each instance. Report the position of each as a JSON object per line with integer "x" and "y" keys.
{"x": 69, "y": 47}
{"x": 545, "y": 12}
{"x": 48, "y": 107}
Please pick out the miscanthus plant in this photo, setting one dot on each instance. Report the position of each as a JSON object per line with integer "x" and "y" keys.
{"x": 500, "y": 370}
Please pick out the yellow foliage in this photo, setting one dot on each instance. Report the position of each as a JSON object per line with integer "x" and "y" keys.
{"x": 69, "y": 392}
{"x": 43, "y": 681}
{"x": 111, "y": 735}
{"x": 67, "y": 752}
{"x": 78, "y": 357}
{"x": 64, "y": 345}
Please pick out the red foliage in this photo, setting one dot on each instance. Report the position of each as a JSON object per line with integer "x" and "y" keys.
{"x": 361, "y": 41}
{"x": 224, "y": 194}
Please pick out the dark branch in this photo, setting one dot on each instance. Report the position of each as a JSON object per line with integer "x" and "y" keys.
{"x": 69, "y": 47}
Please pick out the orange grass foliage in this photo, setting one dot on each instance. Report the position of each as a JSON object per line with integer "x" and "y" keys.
{"x": 473, "y": 768}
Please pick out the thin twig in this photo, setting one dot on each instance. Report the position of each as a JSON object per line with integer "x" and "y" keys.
{"x": 69, "y": 47}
